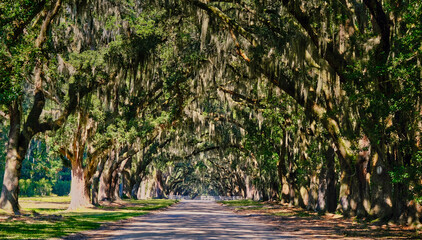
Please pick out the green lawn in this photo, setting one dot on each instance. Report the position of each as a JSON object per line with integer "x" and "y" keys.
{"x": 248, "y": 205}
{"x": 252, "y": 208}
{"x": 303, "y": 214}
{"x": 246, "y": 202}
{"x": 42, "y": 222}
{"x": 55, "y": 199}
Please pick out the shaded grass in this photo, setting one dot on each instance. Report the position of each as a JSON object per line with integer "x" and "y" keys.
{"x": 55, "y": 222}
{"x": 44, "y": 210}
{"x": 245, "y": 202}
{"x": 146, "y": 208}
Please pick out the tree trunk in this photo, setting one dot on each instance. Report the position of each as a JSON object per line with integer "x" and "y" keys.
{"x": 135, "y": 189}
{"x": 113, "y": 193}
{"x": 79, "y": 191}
{"x": 119, "y": 178}
{"x": 291, "y": 181}
{"x": 322, "y": 190}
{"x": 132, "y": 186}
{"x": 96, "y": 182}
{"x": 104, "y": 186}
{"x": 158, "y": 184}
{"x": 281, "y": 170}
{"x": 10, "y": 188}
{"x": 350, "y": 195}
{"x": 327, "y": 196}
{"x": 126, "y": 178}
{"x": 138, "y": 178}
{"x": 331, "y": 199}
{"x": 381, "y": 194}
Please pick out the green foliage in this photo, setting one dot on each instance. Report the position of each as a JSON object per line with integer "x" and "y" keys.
{"x": 31, "y": 188}
{"x": 61, "y": 187}
{"x": 42, "y": 172}
{"x": 3, "y": 150}
{"x": 16, "y": 51}
{"x": 242, "y": 203}
{"x": 410, "y": 176}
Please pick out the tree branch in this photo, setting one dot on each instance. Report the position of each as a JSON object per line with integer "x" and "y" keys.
{"x": 95, "y": 158}
{"x": 41, "y": 38}
{"x": 32, "y": 125}
{"x": 329, "y": 53}
{"x": 236, "y": 96}
{"x": 66, "y": 153}
{"x": 4, "y": 115}
{"x": 76, "y": 93}
{"x": 375, "y": 8}
{"x": 21, "y": 25}
{"x": 226, "y": 20}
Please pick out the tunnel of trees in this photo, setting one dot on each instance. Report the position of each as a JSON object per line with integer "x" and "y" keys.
{"x": 313, "y": 103}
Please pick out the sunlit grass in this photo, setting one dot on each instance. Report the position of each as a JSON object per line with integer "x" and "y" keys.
{"x": 70, "y": 223}
{"x": 146, "y": 208}
{"x": 3, "y": 212}
{"x": 247, "y": 205}
{"x": 252, "y": 208}
{"x": 152, "y": 201}
{"x": 44, "y": 222}
{"x": 283, "y": 214}
{"x": 55, "y": 199}
{"x": 302, "y": 214}
{"x": 245, "y": 202}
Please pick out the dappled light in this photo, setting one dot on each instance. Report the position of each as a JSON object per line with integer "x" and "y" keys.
{"x": 191, "y": 220}
{"x": 273, "y": 105}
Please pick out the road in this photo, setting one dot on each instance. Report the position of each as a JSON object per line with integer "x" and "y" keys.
{"x": 191, "y": 219}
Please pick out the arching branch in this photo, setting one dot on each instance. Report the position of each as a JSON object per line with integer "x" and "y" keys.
{"x": 375, "y": 8}
{"x": 236, "y": 96}
{"x": 330, "y": 53}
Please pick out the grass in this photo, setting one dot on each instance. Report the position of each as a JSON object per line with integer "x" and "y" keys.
{"x": 70, "y": 223}
{"x": 52, "y": 199}
{"x": 44, "y": 222}
{"x": 44, "y": 210}
{"x": 235, "y": 203}
{"x": 252, "y": 208}
{"x": 247, "y": 205}
{"x": 284, "y": 214}
{"x": 301, "y": 214}
{"x": 151, "y": 201}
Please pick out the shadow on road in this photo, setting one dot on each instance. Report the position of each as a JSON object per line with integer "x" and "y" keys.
{"x": 190, "y": 219}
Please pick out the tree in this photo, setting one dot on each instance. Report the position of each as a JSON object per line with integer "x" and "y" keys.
{"x": 20, "y": 135}
{"x": 244, "y": 97}
{"x": 330, "y": 42}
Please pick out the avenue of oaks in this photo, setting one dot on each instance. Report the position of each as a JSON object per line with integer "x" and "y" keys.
{"x": 314, "y": 103}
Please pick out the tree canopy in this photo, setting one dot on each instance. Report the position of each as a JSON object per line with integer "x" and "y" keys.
{"x": 314, "y": 103}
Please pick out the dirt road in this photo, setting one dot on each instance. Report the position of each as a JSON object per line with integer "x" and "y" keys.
{"x": 190, "y": 220}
